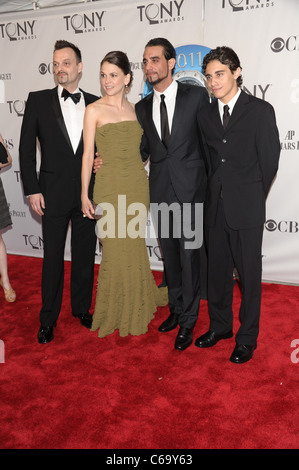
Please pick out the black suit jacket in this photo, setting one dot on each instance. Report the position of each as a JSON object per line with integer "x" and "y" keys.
{"x": 59, "y": 178}
{"x": 243, "y": 160}
{"x": 182, "y": 164}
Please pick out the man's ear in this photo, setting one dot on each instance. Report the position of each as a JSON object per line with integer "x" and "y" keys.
{"x": 237, "y": 73}
{"x": 171, "y": 64}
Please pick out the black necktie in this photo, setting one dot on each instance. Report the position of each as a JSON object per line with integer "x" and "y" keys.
{"x": 226, "y": 116}
{"x": 164, "y": 122}
{"x": 75, "y": 96}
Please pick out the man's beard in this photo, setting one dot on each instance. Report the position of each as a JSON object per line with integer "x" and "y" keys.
{"x": 157, "y": 80}
{"x": 62, "y": 78}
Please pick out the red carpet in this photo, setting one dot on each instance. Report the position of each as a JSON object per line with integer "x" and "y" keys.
{"x": 82, "y": 392}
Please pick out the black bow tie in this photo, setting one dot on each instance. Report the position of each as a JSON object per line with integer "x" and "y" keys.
{"x": 75, "y": 96}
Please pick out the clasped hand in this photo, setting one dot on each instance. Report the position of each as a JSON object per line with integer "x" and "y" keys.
{"x": 87, "y": 206}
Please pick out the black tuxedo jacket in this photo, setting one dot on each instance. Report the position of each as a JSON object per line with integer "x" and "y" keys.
{"x": 243, "y": 160}
{"x": 182, "y": 164}
{"x": 59, "y": 178}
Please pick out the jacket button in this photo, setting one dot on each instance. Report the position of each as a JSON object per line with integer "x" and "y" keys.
{"x": 223, "y": 160}
{"x": 224, "y": 141}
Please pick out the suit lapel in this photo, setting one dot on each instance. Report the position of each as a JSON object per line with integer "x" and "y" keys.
{"x": 238, "y": 110}
{"x": 179, "y": 110}
{"x": 59, "y": 116}
{"x": 87, "y": 101}
{"x": 215, "y": 119}
{"x": 87, "y": 97}
{"x": 177, "y": 116}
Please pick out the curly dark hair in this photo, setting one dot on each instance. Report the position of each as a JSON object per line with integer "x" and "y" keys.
{"x": 226, "y": 56}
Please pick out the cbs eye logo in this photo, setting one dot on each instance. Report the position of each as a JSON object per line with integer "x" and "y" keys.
{"x": 277, "y": 45}
{"x": 271, "y": 225}
{"x": 290, "y": 44}
{"x": 284, "y": 226}
{"x": 45, "y": 68}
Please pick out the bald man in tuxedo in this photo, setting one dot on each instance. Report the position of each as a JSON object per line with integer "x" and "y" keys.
{"x": 55, "y": 118}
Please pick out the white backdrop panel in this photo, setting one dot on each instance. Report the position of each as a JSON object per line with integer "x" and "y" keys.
{"x": 270, "y": 70}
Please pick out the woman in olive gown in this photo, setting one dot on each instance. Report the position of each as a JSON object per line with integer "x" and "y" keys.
{"x": 127, "y": 295}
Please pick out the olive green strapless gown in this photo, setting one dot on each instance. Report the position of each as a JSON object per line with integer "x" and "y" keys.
{"x": 127, "y": 295}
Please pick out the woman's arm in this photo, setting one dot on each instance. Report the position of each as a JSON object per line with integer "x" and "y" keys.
{"x": 89, "y": 129}
{"x": 9, "y": 159}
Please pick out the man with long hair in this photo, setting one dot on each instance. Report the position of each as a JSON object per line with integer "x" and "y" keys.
{"x": 170, "y": 119}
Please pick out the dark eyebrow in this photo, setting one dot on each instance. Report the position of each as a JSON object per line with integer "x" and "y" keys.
{"x": 151, "y": 58}
{"x": 217, "y": 71}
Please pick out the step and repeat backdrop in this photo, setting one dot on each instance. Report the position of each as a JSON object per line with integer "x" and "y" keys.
{"x": 265, "y": 35}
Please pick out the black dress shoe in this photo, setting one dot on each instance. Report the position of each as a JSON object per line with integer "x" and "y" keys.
{"x": 169, "y": 324}
{"x": 211, "y": 338}
{"x": 85, "y": 318}
{"x": 242, "y": 353}
{"x": 45, "y": 334}
{"x": 183, "y": 339}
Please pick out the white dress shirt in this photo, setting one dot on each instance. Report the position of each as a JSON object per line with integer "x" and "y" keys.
{"x": 231, "y": 104}
{"x": 170, "y": 98}
{"x": 73, "y": 115}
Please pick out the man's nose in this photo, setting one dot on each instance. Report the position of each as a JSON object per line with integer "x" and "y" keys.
{"x": 213, "y": 81}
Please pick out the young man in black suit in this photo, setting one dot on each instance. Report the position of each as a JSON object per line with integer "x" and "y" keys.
{"x": 56, "y": 119}
{"x": 242, "y": 141}
{"x": 177, "y": 178}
